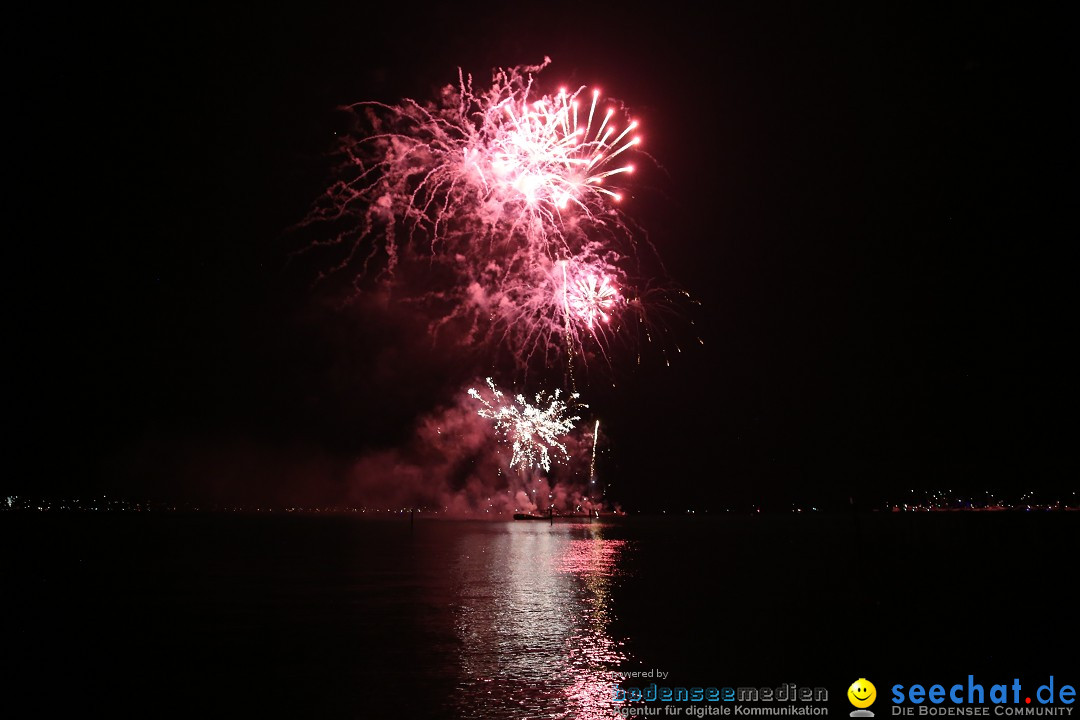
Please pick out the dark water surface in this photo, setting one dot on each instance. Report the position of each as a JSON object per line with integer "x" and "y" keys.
{"x": 335, "y": 616}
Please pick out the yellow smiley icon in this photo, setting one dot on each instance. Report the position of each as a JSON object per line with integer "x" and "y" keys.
{"x": 862, "y": 693}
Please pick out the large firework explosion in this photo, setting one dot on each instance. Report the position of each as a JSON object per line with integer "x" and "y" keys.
{"x": 510, "y": 198}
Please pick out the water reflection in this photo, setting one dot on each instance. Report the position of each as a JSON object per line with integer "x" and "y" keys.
{"x": 534, "y": 605}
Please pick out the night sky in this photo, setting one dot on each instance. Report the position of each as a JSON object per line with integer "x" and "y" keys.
{"x": 868, "y": 203}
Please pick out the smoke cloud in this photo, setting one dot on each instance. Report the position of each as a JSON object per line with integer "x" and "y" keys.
{"x": 456, "y": 464}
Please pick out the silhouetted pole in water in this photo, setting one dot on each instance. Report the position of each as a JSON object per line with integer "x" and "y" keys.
{"x": 412, "y": 517}
{"x": 551, "y": 514}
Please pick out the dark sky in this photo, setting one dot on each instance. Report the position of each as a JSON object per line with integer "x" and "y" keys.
{"x": 867, "y": 202}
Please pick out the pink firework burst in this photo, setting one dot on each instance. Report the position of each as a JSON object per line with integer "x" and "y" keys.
{"x": 479, "y": 169}
{"x": 496, "y": 211}
{"x": 590, "y": 296}
{"x": 547, "y": 153}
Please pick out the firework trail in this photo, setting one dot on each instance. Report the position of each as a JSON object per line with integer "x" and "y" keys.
{"x": 507, "y": 201}
{"x": 536, "y": 431}
{"x": 592, "y": 461}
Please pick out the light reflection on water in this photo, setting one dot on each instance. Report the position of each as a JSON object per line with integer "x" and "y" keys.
{"x": 534, "y": 605}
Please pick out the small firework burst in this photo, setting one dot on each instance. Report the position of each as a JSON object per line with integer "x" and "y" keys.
{"x": 535, "y": 430}
{"x": 589, "y": 295}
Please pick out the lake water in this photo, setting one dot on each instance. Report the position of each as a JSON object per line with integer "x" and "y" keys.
{"x": 339, "y": 616}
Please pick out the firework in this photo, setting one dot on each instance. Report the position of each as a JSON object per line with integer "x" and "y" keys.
{"x": 589, "y": 295}
{"x": 506, "y": 200}
{"x": 496, "y": 215}
{"x": 536, "y": 431}
{"x": 543, "y": 156}
{"x": 592, "y": 461}
{"x": 475, "y": 168}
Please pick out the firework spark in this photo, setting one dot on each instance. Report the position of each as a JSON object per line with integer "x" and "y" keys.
{"x": 536, "y": 431}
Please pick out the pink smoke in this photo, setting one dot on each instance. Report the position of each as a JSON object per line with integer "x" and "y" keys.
{"x": 456, "y": 465}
